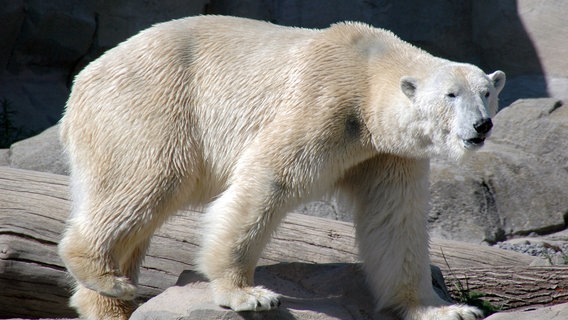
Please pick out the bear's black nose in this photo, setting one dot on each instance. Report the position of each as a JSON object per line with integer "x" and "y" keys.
{"x": 483, "y": 126}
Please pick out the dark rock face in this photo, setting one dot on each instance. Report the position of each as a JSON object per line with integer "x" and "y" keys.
{"x": 43, "y": 44}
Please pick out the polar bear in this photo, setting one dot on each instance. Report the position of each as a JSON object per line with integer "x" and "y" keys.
{"x": 248, "y": 119}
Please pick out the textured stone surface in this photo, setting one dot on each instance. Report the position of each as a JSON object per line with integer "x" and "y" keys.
{"x": 11, "y": 17}
{"x": 514, "y": 186}
{"x": 53, "y": 34}
{"x": 557, "y": 312}
{"x": 40, "y": 153}
{"x": 309, "y": 291}
{"x": 4, "y": 157}
{"x": 523, "y": 38}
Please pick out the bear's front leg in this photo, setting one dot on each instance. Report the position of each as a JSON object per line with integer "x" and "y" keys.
{"x": 390, "y": 199}
{"x": 237, "y": 227}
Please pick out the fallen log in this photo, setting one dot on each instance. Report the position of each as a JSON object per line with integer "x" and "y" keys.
{"x": 510, "y": 287}
{"x": 33, "y": 281}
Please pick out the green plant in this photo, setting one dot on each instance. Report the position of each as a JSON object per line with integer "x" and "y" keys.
{"x": 463, "y": 294}
{"x": 9, "y": 133}
{"x": 548, "y": 257}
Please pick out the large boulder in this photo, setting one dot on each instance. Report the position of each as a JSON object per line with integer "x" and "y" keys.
{"x": 52, "y": 34}
{"x": 39, "y": 153}
{"x": 515, "y": 185}
{"x": 12, "y": 16}
{"x": 523, "y": 38}
{"x": 44, "y": 39}
{"x": 556, "y": 312}
{"x": 309, "y": 292}
{"x": 43, "y": 44}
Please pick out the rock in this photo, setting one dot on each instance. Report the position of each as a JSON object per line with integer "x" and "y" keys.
{"x": 557, "y": 312}
{"x": 527, "y": 30}
{"x": 330, "y": 209}
{"x": 46, "y": 39}
{"x": 557, "y": 236}
{"x": 43, "y": 44}
{"x": 4, "y": 157}
{"x": 12, "y": 16}
{"x": 552, "y": 249}
{"x": 40, "y": 153}
{"x": 309, "y": 291}
{"x": 50, "y": 27}
{"x": 514, "y": 186}
{"x": 37, "y": 98}
{"x": 333, "y": 291}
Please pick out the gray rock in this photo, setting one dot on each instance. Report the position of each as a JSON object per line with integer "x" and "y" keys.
{"x": 40, "y": 153}
{"x": 557, "y": 312}
{"x": 5, "y": 157}
{"x": 518, "y": 37}
{"x": 330, "y": 209}
{"x": 309, "y": 291}
{"x": 552, "y": 249}
{"x": 514, "y": 186}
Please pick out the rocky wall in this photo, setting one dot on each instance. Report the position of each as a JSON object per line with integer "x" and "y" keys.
{"x": 43, "y": 44}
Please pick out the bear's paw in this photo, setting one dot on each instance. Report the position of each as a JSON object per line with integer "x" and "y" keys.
{"x": 247, "y": 299}
{"x": 451, "y": 312}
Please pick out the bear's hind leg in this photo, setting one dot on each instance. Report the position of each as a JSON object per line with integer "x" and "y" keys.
{"x": 92, "y": 266}
{"x": 106, "y": 240}
{"x": 92, "y": 305}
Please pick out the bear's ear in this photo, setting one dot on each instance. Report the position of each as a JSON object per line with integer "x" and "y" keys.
{"x": 498, "y": 78}
{"x": 408, "y": 86}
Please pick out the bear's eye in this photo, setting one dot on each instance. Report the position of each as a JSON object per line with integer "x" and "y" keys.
{"x": 487, "y": 94}
{"x": 451, "y": 95}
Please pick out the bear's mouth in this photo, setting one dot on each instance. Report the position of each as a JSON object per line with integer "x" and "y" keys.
{"x": 474, "y": 143}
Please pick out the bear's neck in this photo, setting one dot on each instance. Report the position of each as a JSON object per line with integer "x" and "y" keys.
{"x": 394, "y": 127}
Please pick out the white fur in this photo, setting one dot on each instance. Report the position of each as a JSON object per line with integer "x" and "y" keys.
{"x": 248, "y": 120}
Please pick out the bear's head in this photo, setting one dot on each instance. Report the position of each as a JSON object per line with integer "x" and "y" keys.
{"x": 452, "y": 108}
